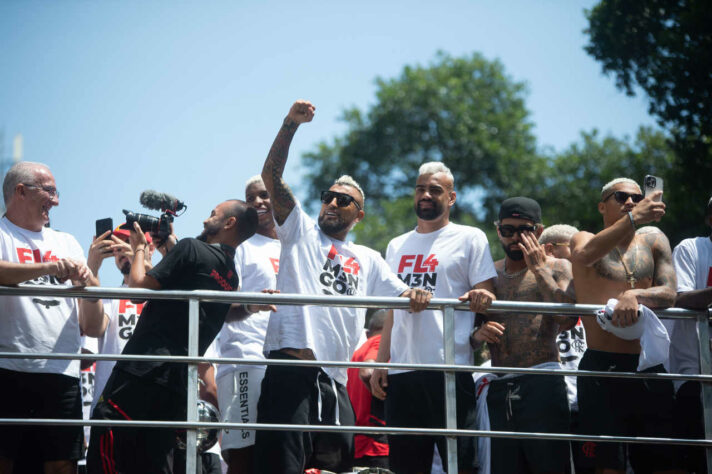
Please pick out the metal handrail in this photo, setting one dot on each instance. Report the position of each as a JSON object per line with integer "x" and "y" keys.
{"x": 448, "y": 305}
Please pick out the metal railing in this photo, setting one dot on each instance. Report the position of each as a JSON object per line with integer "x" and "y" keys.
{"x": 447, "y": 305}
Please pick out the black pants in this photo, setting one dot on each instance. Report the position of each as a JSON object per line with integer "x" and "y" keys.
{"x": 417, "y": 400}
{"x": 134, "y": 450}
{"x": 292, "y": 395}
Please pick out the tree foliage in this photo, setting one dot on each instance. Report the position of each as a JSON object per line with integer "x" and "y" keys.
{"x": 467, "y": 113}
{"x": 663, "y": 47}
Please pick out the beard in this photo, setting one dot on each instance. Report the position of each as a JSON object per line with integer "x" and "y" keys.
{"x": 209, "y": 231}
{"x": 513, "y": 254}
{"x": 125, "y": 268}
{"x": 333, "y": 225}
{"x": 429, "y": 213}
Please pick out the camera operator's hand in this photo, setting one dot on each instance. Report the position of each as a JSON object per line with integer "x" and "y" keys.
{"x": 165, "y": 244}
{"x": 137, "y": 239}
{"x": 302, "y": 111}
{"x": 100, "y": 248}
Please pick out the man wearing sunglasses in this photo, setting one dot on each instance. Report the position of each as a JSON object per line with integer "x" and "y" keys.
{"x": 527, "y": 402}
{"x": 451, "y": 261}
{"x": 315, "y": 259}
{"x": 34, "y": 254}
{"x": 632, "y": 264}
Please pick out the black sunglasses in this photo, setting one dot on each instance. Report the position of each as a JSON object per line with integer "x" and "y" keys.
{"x": 342, "y": 200}
{"x": 509, "y": 230}
{"x": 621, "y": 197}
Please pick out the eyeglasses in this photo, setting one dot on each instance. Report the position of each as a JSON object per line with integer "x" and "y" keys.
{"x": 509, "y": 230}
{"x": 621, "y": 197}
{"x": 52, "y": 192}
{"x": 342, "y": 200}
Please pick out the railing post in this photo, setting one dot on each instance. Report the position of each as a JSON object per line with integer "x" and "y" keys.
{"x": 191, "y": 438}
{"x": 703, "y": 333}
{"x": 450, "y": 400}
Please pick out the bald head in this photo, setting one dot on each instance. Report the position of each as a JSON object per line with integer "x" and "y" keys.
{"x": 21, "y": 172}
{"x": 245, "y": 215}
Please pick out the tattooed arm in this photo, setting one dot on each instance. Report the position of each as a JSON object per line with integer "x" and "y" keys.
{"x": 282, "y": 198}
{"x": 662, "y": 293}
{"x": 587, "y": 249}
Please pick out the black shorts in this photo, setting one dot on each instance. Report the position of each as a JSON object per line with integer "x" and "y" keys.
{"x": 293, "y": 395}
{"x": 134, "y": 450}
{"x": 417, "y": 400}
{"x": 624, "y": 407}
{"x": 39, "y": 395}
{"x": 529, "y": 403}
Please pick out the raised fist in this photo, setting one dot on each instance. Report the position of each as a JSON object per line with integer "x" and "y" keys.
{"x": 302, "y": 111}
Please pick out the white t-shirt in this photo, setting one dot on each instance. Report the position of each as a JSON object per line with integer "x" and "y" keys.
{"x": 572, "y": 345}
{"x": 693, "y": 264}
{"x": 257, "y": 264}
{"x": 123, "y": 316}
{"x": 312, "y": 263}
{"x": 448, "y": 263}
{"x": 87, "y": 378}
{"x": 39, "y": 324}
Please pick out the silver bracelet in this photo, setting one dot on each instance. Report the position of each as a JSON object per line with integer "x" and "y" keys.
{"x": 632, "y": 221}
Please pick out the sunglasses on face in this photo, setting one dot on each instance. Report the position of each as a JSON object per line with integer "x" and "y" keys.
{"x": 342, "y": 200}
{"x": 509, "y": 230}
{"x": 621, "y": 197}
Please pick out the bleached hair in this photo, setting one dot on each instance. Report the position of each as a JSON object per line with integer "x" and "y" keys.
{"x": 433, "y": 167}
{"x": 21, "y": 172}
{"x": 557, "y": 233}
{"x": 254, "y": 180}
{"x": 347, "y": 180}
{"x": 605, "y": 190}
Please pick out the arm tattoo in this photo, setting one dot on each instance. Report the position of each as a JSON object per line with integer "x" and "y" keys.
{"x": 283, "y": 200}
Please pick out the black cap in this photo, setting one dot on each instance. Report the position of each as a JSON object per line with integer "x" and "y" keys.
{"x": 520, "y": 208}
{"x": 709, "y": 207}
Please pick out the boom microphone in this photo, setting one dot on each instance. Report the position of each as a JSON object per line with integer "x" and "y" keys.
{"x": 160, "y": 201}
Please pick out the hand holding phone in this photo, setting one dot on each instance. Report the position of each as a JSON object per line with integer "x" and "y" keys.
{"x": 651, "y": 184}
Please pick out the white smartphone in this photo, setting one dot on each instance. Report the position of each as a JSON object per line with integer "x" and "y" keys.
{"x": 651, "y": 184}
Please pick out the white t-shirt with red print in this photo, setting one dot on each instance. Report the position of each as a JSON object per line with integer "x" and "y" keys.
{"x": 447, "y": 262}
{"x": 312, "y": 263}
{"x": 37, "y": 324}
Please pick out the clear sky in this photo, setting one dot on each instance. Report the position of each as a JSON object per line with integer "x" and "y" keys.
{"x": 185, "y": 97}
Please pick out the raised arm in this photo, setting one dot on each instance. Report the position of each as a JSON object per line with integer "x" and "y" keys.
{"x": 662, "y": 293}
{"x": 588, "y": 249}
{"x": 282, "y": 198}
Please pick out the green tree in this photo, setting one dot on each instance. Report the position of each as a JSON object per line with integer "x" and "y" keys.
{"x": 577, "y": 175}
{"x": 663, "y": 47}
{"x": 465, "y": 111}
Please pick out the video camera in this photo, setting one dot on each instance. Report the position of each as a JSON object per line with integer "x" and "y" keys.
{"x": 160, "y": 226}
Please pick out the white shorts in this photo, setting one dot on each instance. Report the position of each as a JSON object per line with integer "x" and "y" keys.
{"x": 238, "y": 393}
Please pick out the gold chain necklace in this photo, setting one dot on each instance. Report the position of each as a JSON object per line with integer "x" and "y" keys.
{"x": 629, "y": 275}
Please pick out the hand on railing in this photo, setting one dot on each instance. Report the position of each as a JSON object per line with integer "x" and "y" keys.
{"x": 480, "y": 299}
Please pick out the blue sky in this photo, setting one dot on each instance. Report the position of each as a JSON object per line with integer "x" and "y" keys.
{"x": 185, "y": 97}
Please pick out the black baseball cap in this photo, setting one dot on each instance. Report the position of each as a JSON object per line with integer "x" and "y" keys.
{"x": 520, "y": 208}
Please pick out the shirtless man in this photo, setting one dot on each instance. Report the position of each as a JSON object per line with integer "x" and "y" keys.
{"x": 527, "y": 402}
{"x": 633, "y": 265}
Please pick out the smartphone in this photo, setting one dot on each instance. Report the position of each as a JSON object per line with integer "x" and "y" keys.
{"x": 651, "y": 184}
{"x": 102, "y": 225}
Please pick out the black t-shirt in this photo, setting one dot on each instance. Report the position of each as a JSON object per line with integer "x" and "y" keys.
{"x": 162, "y": 328}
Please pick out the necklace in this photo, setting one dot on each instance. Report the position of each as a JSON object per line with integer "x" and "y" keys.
{"x": 629, "y": 275}
{"x": 515, "y": 274}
